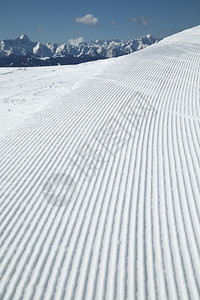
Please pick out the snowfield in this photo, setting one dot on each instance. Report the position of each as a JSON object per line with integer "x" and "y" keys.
{"x": 99, "y": 186}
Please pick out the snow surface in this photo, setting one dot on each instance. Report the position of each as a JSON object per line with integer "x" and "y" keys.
{"x": 26, "y": 92}
{"x": 99, "y": 186}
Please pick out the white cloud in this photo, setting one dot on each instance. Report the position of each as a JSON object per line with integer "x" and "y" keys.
{"x": 112, "y": 22}
{"x": 144, "y": 21}
{"x": 141, "y": 21}
{"x": 89, "y": 20}
{"x": 40, "y": 28}
{"x": 76, "y": 41}
{"x": 134, "y": 20}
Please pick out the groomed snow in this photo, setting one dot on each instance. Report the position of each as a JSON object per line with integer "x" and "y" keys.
{"x": 99, "y": 186}
{"x": 26, "y": 92}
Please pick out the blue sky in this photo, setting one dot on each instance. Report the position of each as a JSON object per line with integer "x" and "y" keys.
{"x": 51, "y": 21}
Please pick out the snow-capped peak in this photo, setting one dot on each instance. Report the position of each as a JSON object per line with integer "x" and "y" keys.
{"x": 24, "y": 37}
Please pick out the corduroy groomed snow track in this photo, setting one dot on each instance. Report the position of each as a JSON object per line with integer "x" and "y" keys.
{"x": 100, "y": 190}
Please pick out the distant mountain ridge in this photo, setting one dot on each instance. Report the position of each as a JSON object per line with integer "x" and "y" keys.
{"x": 13, "y": 51}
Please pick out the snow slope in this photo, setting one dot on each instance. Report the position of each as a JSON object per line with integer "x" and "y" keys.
{"x": 25, "y": 92}
{"x": 99, "y": 188}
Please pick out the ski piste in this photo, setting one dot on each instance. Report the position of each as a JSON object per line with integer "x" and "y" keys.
{"x": 99, "y": 184}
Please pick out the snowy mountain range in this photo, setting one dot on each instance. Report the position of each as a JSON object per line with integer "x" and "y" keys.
{"x": 12, "y": 52}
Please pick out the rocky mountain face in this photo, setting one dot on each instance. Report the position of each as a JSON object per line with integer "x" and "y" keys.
{"x": 13, "y": 52}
